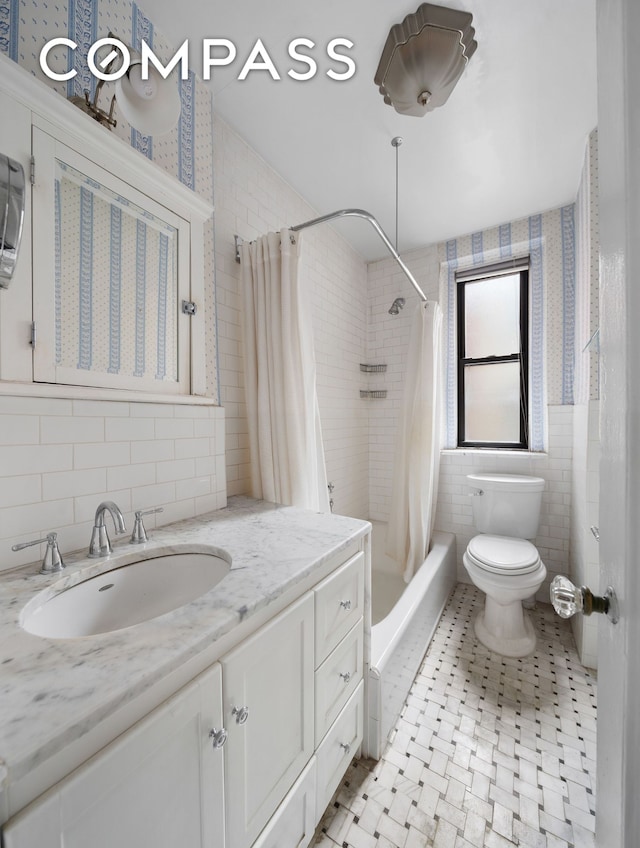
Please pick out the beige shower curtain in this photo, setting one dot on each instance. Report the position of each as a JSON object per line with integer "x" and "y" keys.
{"x": 417, "y": 457}
{"x": 285, "y": 438}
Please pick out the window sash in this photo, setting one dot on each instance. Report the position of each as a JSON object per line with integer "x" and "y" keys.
{"x": 521, "y": 356}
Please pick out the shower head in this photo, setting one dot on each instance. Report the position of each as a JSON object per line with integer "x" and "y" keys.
{"x": 397, "y": 305}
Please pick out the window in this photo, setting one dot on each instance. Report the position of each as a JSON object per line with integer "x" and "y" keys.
{"x": 493, "y": 378}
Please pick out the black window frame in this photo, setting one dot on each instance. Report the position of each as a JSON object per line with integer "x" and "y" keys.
{"x": 522, "y": 357}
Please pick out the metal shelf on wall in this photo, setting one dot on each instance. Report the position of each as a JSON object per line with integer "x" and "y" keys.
{"x": 373, "y": 393}
{"x": 372, "y": 369}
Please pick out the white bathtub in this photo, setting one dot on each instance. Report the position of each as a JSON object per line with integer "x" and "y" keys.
{"x": 404, "y": 617}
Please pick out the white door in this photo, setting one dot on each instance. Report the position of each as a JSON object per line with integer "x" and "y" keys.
{"x": 618, "y": 775}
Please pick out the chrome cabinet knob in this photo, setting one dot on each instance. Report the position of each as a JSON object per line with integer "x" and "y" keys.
{"x": 218, "y": 737}
{"x": 346, "y": 747}
{"x": 568, "y": 599}
{"x": 241, "y": 714}
{"x": 345, "y": 675}
{"x": 345, "y": 605}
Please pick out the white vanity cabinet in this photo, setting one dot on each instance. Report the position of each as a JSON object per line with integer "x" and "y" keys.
{"x": 247, "y": 754}
{"x": 160, "y": 784}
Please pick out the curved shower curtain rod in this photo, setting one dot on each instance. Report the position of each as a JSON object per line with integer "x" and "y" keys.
{"x": 357, "y": 213}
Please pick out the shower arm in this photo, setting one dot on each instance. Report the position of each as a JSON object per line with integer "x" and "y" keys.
{"x": 360, "y": 213}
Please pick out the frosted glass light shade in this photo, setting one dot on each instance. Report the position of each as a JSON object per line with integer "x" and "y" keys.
{"x": 152, "y": 106}
{"x": 424, "y": 57}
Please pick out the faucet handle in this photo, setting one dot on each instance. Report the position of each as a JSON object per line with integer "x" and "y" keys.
{"x": 139, "y": 535}
{"x": 52, "y": 560}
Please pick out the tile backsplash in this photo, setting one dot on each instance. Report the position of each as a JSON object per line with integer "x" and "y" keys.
{"x": 60, "y": 457}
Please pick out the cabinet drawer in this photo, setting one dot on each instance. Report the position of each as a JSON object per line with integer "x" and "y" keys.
{"x": 339, "y": 603}
{"x": 337, "y": 679}
{"x": 339, "y": 747}
{"x": 294, "y": 823}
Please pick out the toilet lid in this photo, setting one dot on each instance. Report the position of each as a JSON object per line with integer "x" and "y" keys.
{"x": 503, "y": 554}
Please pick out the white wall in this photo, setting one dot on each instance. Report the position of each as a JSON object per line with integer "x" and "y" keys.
{"x": 585, "y": 508}
{"x": 585, "y": 554}
{"x": 251, "y": 199}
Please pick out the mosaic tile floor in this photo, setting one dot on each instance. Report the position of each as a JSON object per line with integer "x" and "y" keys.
{"x": 488, "y": 751}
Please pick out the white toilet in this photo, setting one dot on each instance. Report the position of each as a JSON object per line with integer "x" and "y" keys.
{"x": 502, "y": 562}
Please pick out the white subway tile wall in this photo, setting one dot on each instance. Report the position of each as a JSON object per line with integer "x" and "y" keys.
{"x": 251, "y": 199}
{"x": 59, "y": 458}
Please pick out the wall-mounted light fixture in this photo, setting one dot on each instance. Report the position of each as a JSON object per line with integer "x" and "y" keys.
{"x": 424, "y": 57}
{"x": 150, "y": 105}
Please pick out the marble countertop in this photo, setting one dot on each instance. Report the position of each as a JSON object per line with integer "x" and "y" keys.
{"x": 54, "y": 691}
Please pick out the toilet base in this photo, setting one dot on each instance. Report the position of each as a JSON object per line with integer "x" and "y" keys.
{"x": 505, "y": 629}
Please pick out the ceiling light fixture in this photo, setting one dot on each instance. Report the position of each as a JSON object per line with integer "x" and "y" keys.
{"x": 424, "y": 57}
{"x": 151, "y": 106}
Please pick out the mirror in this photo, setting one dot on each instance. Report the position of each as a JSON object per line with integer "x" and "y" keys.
{"x": 12, "y": 200}
{"x": 116, "y": 282}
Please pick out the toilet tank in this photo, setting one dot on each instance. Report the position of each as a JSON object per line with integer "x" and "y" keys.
{"x": 509, "y": 504}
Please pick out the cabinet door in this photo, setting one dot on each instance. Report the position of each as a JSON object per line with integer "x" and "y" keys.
{"x": 109, "y": 276}
{"x": 293, "y": 825}
{"x": 268, "y": 682}
{"x": 159, "y": 784}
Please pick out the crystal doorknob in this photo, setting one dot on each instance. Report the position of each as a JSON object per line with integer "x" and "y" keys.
{"x": 568, "y": 599}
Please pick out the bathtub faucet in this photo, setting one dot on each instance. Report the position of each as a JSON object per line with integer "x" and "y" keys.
{"x": 100, "y": 544}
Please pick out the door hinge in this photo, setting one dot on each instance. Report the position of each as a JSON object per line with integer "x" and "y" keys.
{"x": 33, "y": 339}
{"x": 189, "y": 307}
{"x": 32, "y": 170}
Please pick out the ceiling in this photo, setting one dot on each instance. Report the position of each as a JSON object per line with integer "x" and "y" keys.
{"x": 508, "y": 143}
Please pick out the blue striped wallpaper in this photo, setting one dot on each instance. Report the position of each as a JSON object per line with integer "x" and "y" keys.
{"x": 115, "y": 288}
{"x": 141, "y": 30}
{"x": 83, "y": 29}
{"x": 537, "y": 411}
{"x": 85, "y": 282}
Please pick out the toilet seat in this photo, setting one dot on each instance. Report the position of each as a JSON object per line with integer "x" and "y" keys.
{"x": 503, "y": 554}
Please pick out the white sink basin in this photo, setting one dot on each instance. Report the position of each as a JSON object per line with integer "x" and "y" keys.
{"x": 126, "y": 595}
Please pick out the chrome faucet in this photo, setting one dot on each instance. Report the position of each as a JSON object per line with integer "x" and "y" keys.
{"x": 100, "y": 545}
